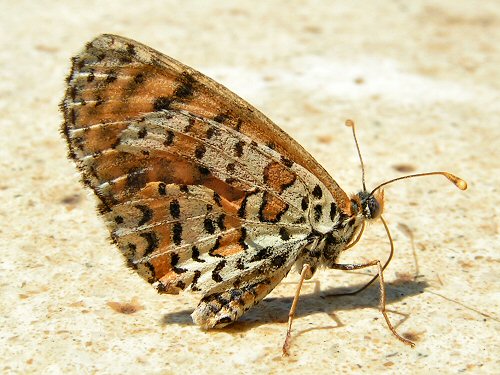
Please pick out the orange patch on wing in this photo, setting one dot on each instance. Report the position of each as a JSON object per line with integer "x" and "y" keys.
{"x": 261, "y": 289}
{"x": 163, "y": 268}
{"x": 278, "y": 176}
{"x": 230, "y": 249}
{"x": 229, "y": 244}
{"x": 151, "y": 191}
{"x": 272, "y": 208}
{"x": 114, "y": 164}
{"x": 101, "y": 137}
{"x": 247, "y": 298}
{"x": 129, "y": 184}
{"x": 230, "y": 195}
{"x": 109, "y": 100}
{"x": 232, "y": 222}
{"x": 168, "y": 282}
{"x": 147, "y": 83}
{"x": 90, "y": 114}
{"x": 185, "y": 173}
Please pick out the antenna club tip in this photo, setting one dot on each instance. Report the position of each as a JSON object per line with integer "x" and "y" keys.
{"x": 349, "y": 123}
{"x": 459, "y": 183}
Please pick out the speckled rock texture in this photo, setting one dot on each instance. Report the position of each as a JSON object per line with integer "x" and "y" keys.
{"x": 422, "y": 81}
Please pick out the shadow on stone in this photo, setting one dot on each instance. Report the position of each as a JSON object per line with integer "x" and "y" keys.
{"x": 275, "y": 309}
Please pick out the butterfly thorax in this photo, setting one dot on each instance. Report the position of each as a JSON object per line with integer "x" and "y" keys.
{"x": 325, "y": 248}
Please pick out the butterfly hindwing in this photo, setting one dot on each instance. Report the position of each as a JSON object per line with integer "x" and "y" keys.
{"x": 198, "y": 221}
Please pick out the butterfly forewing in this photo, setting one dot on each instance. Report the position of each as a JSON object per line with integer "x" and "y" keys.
{"x": 198, "y": 188}
{"x": 123, "y": 78}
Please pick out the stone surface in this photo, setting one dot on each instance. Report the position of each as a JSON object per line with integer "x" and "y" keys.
{"x": 421, "y": 79}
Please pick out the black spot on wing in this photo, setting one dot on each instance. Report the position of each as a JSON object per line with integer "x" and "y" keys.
{"x": 162, "y": 188}
{"x": 238, "y": 149}
{"x": 220, "y": 222}
{"x": 285, "y": 236}
{"x": 240, "y": 264}
{"x": 220, "y": 118}
{"x": 203, "y": 170}
{"x": 139, "y": 78}
{"x": 333, "y": 210}
{"x": 175, "y": 208}
{"x": 147, "y": 214}
{"x": 286, "y": 161}
{"x": 318, "y": 210}
{"x": 177, "y": 233}
{"x": 217, "y": 199}
{"x": 278, "y": 261}
{"x": 111, "y": 77}
{"x": 131, "y": 49}
{"x": 262, "y": 254}
{"x": 162, "y": 103}
{"x": 169, "y": 138}
{"x": 136, "y": 179}
{"x": 152, "y": 241}
{"x": 196, "y": 276}
{"x": 216, "y": 272}
{"x": 180, "y": 284}
{"x": 174, "y": 260}
{"x": 199, "y": 151}
{"x": 243, "y": 235}
{"x": 317, "y": 192}
{"x": 189, "y": 126}
{"x": 211, "y": 131}
{"x": 241, "y": 210}
{"x": 209, "y": 226}
{"x": 305, "y": 203}
{"x": 195, "y": 255}
{"x": 185, "y": 89}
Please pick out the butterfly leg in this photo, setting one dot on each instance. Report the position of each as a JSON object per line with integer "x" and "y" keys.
{"x": 350, "y": 267}
{"x": 304, "y": 274}
{"x": 219, "y": 309}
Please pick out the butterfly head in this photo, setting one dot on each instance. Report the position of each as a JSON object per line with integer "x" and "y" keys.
{"x": 370, "y": 205}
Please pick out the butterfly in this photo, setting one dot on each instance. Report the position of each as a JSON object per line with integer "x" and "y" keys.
{"x": 199, "y": 190}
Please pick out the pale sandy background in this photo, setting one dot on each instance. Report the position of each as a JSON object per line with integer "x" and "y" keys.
{"x": 421, "y": 79}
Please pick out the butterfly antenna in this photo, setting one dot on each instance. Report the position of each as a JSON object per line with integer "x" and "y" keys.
{"x": 350, "y": 124}
{"x": 457, "y": 181}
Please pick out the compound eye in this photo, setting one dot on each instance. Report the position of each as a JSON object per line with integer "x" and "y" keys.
{"x": 374, "y": 207}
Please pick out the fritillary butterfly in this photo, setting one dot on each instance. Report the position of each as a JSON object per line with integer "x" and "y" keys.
{"x": 199, "y": 190}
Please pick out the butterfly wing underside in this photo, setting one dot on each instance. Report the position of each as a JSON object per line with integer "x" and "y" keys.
{"x": 199, "y": 190}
